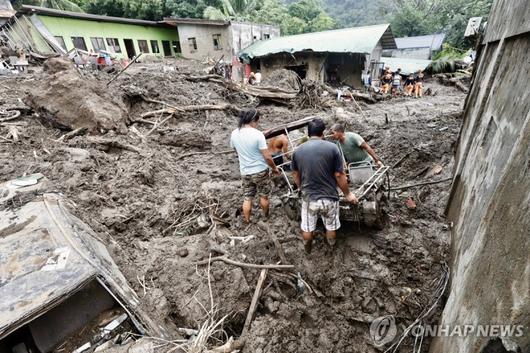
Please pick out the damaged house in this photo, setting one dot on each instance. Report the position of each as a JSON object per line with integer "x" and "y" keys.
{"x": 60, "y": 288}
{"x": 336, "y": 56}
{"x": 45, "y": 30}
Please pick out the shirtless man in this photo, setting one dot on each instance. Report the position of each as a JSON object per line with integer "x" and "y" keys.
{"x": 278, "y": 146}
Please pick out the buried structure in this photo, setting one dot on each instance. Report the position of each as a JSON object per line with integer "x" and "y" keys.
{"x": 337, "y": 56}
{"x": 59, "y": 286}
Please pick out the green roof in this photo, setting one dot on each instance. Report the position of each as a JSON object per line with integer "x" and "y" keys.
{"x": 346, "y": 40}
{"x": 407, "y": 65}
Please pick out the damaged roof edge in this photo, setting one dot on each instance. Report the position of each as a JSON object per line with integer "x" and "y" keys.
{"x": 346, "y": 40}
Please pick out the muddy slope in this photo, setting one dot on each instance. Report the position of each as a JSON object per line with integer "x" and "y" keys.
{"x": 161, "y": 210}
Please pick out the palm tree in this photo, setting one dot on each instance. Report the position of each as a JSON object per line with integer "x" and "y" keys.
{"x": 232, "y": 9}
{"x": 64, "y": 5}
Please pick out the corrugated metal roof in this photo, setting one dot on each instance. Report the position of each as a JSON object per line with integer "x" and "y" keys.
{"x": 346, "y": 40}
{"x": 433, "y": 41}
{"x": 46, "y": 254}
{"x": 87, "y": 16}
{"x": 406, "y": 65}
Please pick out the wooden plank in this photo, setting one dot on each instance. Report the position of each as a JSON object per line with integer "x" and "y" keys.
{"x": 295, "y": 125}
{"x": 254, "y": 302}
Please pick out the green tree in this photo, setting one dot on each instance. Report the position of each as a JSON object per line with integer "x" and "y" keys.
{"x": 64, "y": 5}
{"x": 306, "y": 10}
{"x": 231, "y": 9}
{"x": 190, "y": 8}
{"x": 321, "y": 22}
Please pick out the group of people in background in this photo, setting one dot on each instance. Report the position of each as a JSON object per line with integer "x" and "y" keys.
{"x": 393, "y": 83}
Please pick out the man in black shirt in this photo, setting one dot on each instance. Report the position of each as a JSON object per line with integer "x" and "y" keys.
{"x": 318, "y": 168}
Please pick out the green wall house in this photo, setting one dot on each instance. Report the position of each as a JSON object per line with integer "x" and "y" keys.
{"x": 47, "y": 30}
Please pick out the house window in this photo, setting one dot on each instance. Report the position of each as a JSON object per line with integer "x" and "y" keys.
{"x": 192, "y": 42}
{"x": 154, "y": 47}
{"x": 266, "y": 36}
{"x": 60, "y": 41}
{"x": 98, "y": 44}
{"x": 142, "y": 44}
{"x": 113, "y": 45}
{"x": 176, "y": 47}
{"x": 79, "y": 43}
{"x": 217, "y": 41}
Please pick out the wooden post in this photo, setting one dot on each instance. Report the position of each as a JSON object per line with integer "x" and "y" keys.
{"x": 255, "y": 299}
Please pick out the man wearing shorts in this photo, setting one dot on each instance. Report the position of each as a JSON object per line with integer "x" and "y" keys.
{"x": 317, "y": 170}
{"x": 254, "y": 162}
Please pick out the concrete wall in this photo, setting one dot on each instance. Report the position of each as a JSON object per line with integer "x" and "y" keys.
{"x": 244, "y": 34}
{"x": 203, "y": 35}
{"x": 490, "y": 198}
{"x": 69, "y": 27}
{"x": 410, "y": 53}
{"x": 320, "y": 66}
{"x": 234, "y": 37}
{"x": 314, "y": 63}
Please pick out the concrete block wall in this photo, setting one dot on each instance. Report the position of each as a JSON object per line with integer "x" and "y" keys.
{"x": 490, "y": 198}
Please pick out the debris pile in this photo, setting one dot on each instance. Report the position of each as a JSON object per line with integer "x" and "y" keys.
{"x": 161, "y": 188}
{"x": 66, "y": 100}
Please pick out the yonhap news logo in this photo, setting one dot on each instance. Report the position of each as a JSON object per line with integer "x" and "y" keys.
{"x": 383, "y": 330}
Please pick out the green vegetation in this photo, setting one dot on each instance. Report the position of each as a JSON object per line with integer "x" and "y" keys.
{"x": 407, "y": 17}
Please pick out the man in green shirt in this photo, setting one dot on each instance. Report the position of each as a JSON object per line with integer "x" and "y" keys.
{"x": 353, "y": 146}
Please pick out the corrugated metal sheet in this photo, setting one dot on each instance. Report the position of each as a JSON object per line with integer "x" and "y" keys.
{"x": 406, "y": 65}
{"x": 433, "y": 41}
{"x": 346, "y": 40}
{"x": 46, "y": 254}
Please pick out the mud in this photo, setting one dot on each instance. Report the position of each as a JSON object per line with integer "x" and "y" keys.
{"x": 160, "y": 211}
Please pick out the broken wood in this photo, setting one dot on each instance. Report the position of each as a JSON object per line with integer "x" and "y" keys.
{"x": 77, "y": 132}
{"x": 114, "y": 143}
{"x": 190, "y": 108}
{"x": 274, "y": 239}
{"x": 125, "y": 68}
{"x": 421, "y": 184}
{"x": 242, "y": 264}
{"x": 158, "y": 124}
{"x": 254, "y": 302}
{"x": 452, "y": 81}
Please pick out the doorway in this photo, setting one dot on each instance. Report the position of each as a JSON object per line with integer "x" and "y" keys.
{"x": 166, "y": 47}
{"x": 129, "y": 47}
{"x": 301, "y": 70}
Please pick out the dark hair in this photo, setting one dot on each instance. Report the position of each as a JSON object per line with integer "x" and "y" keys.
{"x": 247, "y": 116}
{"x": 337, "y": 128}
{"x": 316, "y": 127}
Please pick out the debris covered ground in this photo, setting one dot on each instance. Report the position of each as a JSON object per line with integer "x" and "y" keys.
{"x": 161, "y": 188}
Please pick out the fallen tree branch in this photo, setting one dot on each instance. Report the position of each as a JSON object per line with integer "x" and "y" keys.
{"x": 190, "y": 108}
{"x": 77, "y": 132}
{"x": 242, "y": 264}
{"x": 421, "y": 184}
{"x": 114, "y": 143}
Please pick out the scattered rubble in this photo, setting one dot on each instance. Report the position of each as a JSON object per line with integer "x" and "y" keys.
{"x": 162, "y": 190}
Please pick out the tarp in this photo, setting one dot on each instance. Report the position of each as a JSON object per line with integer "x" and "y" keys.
{"x": 432, "y": 41}
{"x": 346, "y": 40}
{"x": 406, "y": 65}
